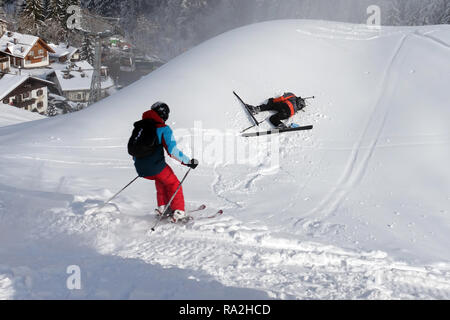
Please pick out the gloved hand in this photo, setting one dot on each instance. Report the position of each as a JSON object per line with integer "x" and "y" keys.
{"x": 193, "y": 164}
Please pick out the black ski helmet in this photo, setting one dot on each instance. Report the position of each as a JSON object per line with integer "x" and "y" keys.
{"x": 162, "y": 109}
{"x": 301, "y": 104}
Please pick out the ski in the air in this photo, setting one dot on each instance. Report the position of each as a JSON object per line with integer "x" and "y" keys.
{"x": 276, "y": 131}
{"x": 257, "y": 123}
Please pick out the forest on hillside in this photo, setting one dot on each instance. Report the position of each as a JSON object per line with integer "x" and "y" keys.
{"x": 169, "y": 27}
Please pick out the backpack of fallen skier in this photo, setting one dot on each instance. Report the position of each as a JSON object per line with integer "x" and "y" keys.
{"x": 144, "y": 140}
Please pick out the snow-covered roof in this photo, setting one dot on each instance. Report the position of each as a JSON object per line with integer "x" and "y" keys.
{"x": 62, "y": 50}
{"x": 9, "y": 82}
{"x": 77, "y": 82}
{"x": 23, "y": 45}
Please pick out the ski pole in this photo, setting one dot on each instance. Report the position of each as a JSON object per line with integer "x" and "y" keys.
{"x": 106, "y": 202}
{"x": 308, "y": 98}
{"x": 245, "y": 130}
{"x": 171, "y": 199}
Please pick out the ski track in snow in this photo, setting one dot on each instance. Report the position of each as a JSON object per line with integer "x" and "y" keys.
{"x": 428, "y": 36}
{"x": 219, "y": 188}
{"x": 237, "y": 255}
{"x": 360, "y": 156}
{"x": 223, "y": 250}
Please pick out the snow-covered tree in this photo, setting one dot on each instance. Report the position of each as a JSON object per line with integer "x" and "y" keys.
{"x": 45, "y": 9}
{"x": 87, "y": 51}
{"x": 56, "y": 11}
{"x": 33, "y": 10}
{"x": 437, "y": 12}
{"x": 52, "y": 110}
{"x": 109, "y": 8}
{"x": 419, "y": 12}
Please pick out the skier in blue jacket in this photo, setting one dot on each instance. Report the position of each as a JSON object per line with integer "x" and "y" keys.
{"x": 154, "y": 166}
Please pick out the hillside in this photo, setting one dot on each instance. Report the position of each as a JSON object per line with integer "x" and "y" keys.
{"x": 11, "y": 115}
{"x": 357, "y": 208}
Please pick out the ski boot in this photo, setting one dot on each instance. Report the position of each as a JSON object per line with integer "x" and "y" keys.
{"x": 254, "y": 110}
{"x": 160, "y": 212}
{"x": 179, "y": 215}
{"x": 281, "y": 126}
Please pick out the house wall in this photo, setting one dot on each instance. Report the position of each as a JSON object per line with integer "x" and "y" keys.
{"x": 41, "y": 101}
{"x": 37, "y": 58}
{"x": 4, "y": 64}
{"x": 77, "y": 96}
{"x": 16, "y": 62}
{"x": 75, "y": 56}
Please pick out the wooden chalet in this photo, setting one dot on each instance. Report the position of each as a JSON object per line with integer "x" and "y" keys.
{"x": 25, "y": 92}
{"x": 25, "y": 51}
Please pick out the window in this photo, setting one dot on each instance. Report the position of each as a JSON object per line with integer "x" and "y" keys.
{"x": 25, "y": 95}
{"x": 79, "y": 96}
{"x": 31, "y": 54}
{"x": 41, "y": 51}
{"x": 6, "y": 101}
{"x": 40, "y": 93}
{"x": 40, "y": 104}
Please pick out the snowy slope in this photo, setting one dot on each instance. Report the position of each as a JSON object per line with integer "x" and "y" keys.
{"x": 357, "y": 208}
{"x": 11, "y": 115}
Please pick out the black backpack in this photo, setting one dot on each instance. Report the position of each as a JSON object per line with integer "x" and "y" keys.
{"x": 144, "y": 140}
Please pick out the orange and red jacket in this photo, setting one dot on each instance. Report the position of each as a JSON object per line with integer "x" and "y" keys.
{"x": 288, "y": 99}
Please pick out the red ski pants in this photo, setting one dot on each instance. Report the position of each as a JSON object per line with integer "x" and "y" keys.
{"x": 166, "y": 183}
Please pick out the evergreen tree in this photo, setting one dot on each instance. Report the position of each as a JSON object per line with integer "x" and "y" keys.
{"x": 52, "y": 111}
{"x": 105, "y": 7}
{"x": 45, "y": 9}
{"x": 419, "y": 12}
{"x": 87, "y": 51}
{"x": 437, "y": 12}
{"x": 56, "y": 11}
{"x": 33, "y": 10}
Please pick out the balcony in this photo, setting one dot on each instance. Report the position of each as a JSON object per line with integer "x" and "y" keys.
{"x": 24, "y": 104}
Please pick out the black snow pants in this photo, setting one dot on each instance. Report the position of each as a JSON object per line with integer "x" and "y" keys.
{"x": 283, "y": 112}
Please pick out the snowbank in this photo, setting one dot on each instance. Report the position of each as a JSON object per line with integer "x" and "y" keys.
{"x": 11, "y": 115}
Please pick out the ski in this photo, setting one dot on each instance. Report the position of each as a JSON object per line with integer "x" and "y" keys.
{"x": 257, "y": 123}
{"x": 275, "y": 131}
{"x": 189, "y": 217}
{"x": 217, "y": 214}
{"x": 200, "y": 208}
